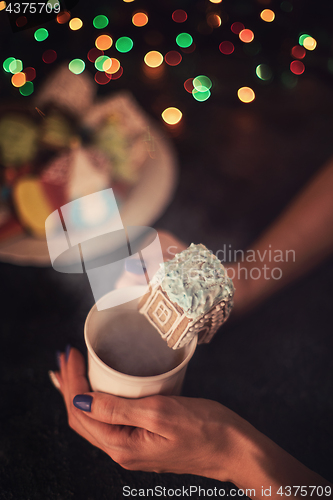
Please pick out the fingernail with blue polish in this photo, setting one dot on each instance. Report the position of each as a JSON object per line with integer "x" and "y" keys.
{"x": 68, "y": 349}
{"x": 58, "y": 353}
{"x": 83, "y": 402}
{"x": 134, "y": 266}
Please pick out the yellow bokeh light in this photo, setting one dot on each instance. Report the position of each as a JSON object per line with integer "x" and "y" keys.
{"x": 214, "y": 20}
{"x": 3, "y": 5}
{"x": 114, "y": 66}
{"x": 140, "y": 19}
{"x": 103, "y": 42}
{"x": 309, "y": 43}
{"x": 128, "y": 1}
{"x": 215, "y": 1}
{"x": 153, "y": 59}
{"x": 267, "y": 15}
{"x": 19, "y": 79}
{"x": 75, "y": 24}
{"x": 246, "y": 94}
{"x": 172, "y": 116}
{"x": 246, "y": 36}
{"x": 107, "y": 64}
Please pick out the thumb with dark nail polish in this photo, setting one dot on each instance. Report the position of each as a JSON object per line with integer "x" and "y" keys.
{"x": 83, "y": 402}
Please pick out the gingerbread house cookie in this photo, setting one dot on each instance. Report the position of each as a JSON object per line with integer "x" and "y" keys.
{"x": 189, "y": 295}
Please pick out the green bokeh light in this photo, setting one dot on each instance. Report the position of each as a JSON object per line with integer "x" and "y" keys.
{"x": 184, "y": 40}
{"x": 41, "y": 34}
{"x": 7, "y": 62}
{"x": 99, "y": 63}
{"x": 15, "y": 66}
{"x": 289, "y": 80}
{"x": 264, "y": 72}
{"x": 27, "y": 89}
{"x": 252, "y": 49}
{"x": 201, "y": 95}
{"x": 124, "y": 44}
{"x": 202, "y": 83}
{"x": 302, "y": 38}
{"x": 76, "y": 66}
{"x": 286, "y": 6}
{"x": 100, "y": 22}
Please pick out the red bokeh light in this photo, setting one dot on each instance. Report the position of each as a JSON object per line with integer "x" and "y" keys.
{"x": 173, "y": 58}
{"x": 49, "y": 56}
{"x": 297, "y": 67}
{"x": 179, "y": 16}
{"x": 188, "y": 85}
{"x": 237, "y": 28}
{"x": 226, "y": 47}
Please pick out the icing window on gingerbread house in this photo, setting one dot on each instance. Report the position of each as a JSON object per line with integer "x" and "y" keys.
{"x": 162, "y": 313}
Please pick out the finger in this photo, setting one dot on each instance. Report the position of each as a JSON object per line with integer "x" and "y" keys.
{"x": 69, "y": 383}
{"x": 148, "y": 413}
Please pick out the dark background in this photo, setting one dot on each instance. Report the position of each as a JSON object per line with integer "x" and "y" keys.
{"x": 240, "y": 164}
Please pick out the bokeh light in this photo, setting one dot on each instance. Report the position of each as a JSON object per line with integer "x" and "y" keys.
{"x": 49, "y": 56}
{"x": 100, "y": 22}
{"x": 75, "y": 23}
{"x": 63, "y": 17}
{"x": 214, "y": 20}
{"x": 27, "y": 89}
{"x": 7, "y": 63}
{"x": 246, "y": 94}
{"x": 309, "y": 43}
{"x": 76, "y": 66}
{"x": 18, "y": 80}
{"x": 190, "y": 49}
{"x": 286, "y": 6}
{"x": 237, "y": 27}
{"x": 252, "y": 49}
{"x": 201, "y": 96}
{"x": 16, "y": 66}
{"x": 153, "y": 59}
{"x": 246, "y": 36}
{"x": 289, "y": 80}
{"x": 215, "y": 1}
{"x": 264, "y": 72}
{"x": 298, "y": 52}
{"x": 3, "y": 5}
{"x": 30, "y": 74}
{"x": 226, "y": 47}
{"x": 114, "y": 67}
{"x": 118, "y": 74}
{"x": 21, "y": 21}
{"x": 184, "y": 40}
{"x": 103, "y": 42}
{"x": 128, "y": 1}
{"x": 93, "y": 54}
{"x": 41, "y": 34}
{"x": 124, "y": 44}
{"x": 101, "y": 78}
{"x": 267, "y": 15}
{"x": 202, "y": 83}
{"x": 297, "y": 67}
{"x": 102, "y": 62}
{"x": 140, "y": 19}
{"x": 302, "y": 38}
{"x": 173, "y": 58}
{"x": 172, "y": 116}
{"x": 188, "y": 85}
{"x": 179, "y": 16}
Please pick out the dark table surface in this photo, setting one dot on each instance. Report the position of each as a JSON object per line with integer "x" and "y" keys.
{"x": 239, "y": 167}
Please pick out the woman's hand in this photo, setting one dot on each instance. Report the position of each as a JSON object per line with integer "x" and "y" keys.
{"x": 179, "y": 435}
{"x": 157, "y": 433}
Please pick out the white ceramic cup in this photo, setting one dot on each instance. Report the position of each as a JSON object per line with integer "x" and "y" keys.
{"x": 103, "y": 378}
